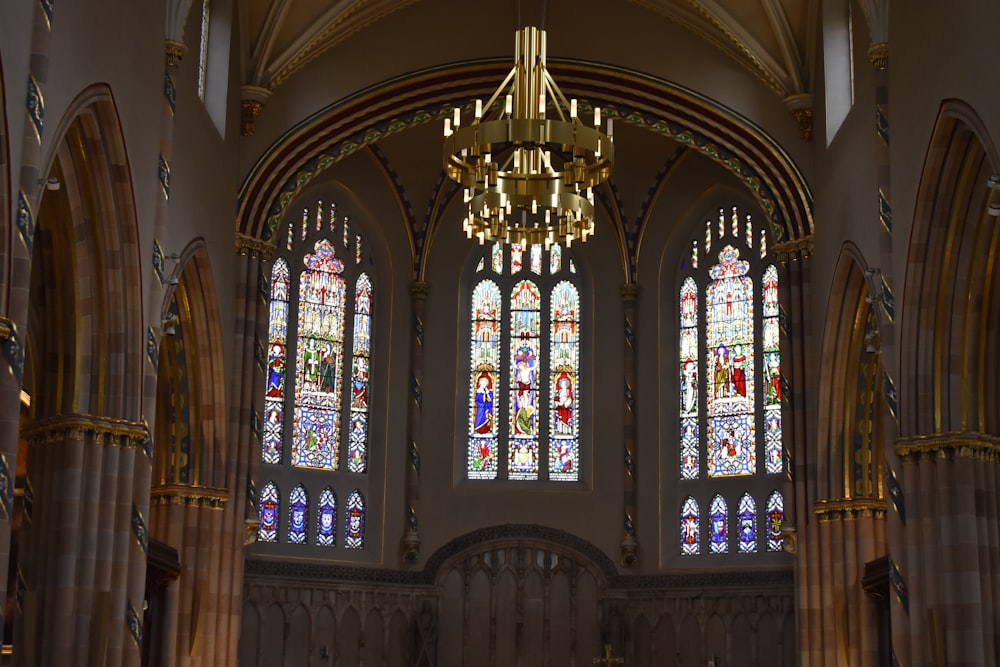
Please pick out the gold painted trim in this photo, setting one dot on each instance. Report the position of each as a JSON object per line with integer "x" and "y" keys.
{"x": 878, "y": 56}
{"x": 190, "y": 495}
{"x": 6, "y": 328}
{"x": 105, "y": 430}
{"x": 962, "y": 444}
{"x": 174, "y": 51}
{"x": 248, "y": 245}
{"x": 793, "y": 250}
{"x": 248, "y": 116}
{"x": 849, "y": 508}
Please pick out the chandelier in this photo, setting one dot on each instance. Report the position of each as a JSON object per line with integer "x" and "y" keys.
{"x": 528, "y": 169}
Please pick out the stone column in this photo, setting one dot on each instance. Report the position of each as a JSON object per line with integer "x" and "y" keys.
{"x": 414, "y": 423}
{"x": 243, "y": 444}
{"x": 77, "y": 544}
{"x": 629, "y": 545}
{"x": 13, "y": 322}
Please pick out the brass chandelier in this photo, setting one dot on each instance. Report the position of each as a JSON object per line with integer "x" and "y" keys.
{"x": 528, "y": 174}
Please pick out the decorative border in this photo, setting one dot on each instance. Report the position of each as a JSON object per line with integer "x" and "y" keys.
{"x": 413, "y": 99}
{"x": 114, "y": 432}
{"x": 190, "y": 496}
{"x": 849, "y": 508}
{"x": 967, "y": 444}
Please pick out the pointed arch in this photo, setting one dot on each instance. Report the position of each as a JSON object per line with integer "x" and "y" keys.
{"x": 951, "y": 309}
{"x": 86, "y": 267}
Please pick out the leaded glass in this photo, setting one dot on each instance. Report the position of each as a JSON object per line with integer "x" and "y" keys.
{"x": 333, "y": 217}
{"x": 485, "y": 364}
{"x": 748, "y": 524}
{"x": 555, "y": 259}
{"x": 516, "y": 257}
{"x": 347, "y": 231}
{"x": 525, "y": 335}
{"x": 316, "y": 426}
{"x": 274, "y": 393}
{"x": 729, "y": 338}
{"x": 270, "y": 506}
{"x": 357, "y": 459}
{"x": 749, "y": 232}
{"x": 718, "y": 518}
{"x": 564, "y": 368}
{"x": 355, "y": 529}
{"x": 298, "y": 515}
{"x": 775, "y": 516}
{"x": 736, "y": 223}
{"x": 536, "y": 259}
{"x": 690, "y": 543}
{"x": 708, "y": 236}
{"x": 772, "y": 373}
{"x": 689, "y": 462}
{"x": 572, "y": 266}
{"x": 497, "y": 258}
{"x": 326, "y": 522}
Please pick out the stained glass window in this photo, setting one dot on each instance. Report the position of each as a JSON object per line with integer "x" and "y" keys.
{"x": 298, "y": 515}
{"x": 326, "y": 528}
{"x": 719, "y": 520}
{"x": 775, "y": 516}
{"x": 317, "y": 361}
{"x": 690, "y": 541}
{"x": 748, "y": 524}
{"x": 270, "y": 505}
{"x": 355, "y": 530}
{"x": 524, "y": 383}
{"x": 729, "y": 384}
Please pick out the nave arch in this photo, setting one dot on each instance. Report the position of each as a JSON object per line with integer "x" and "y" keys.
{"x": 945, "y": 553}
{"x": 83, "y": 367}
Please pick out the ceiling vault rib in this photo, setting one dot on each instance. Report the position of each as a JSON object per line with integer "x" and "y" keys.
{"x": 786, "y": 41}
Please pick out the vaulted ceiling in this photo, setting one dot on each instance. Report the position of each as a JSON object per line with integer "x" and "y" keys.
{"x": 774, "y": 40}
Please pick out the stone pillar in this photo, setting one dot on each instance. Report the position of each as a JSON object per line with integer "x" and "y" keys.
{"x": 414, "y": 423}
{"x": 13, "y": 323}
{"x": 78, "y": 543}
{"x": 629, "y": 545}
{"x": 798, "y": 420}
{"x": 951, "y": 547}
{"x": 242, "y": 451}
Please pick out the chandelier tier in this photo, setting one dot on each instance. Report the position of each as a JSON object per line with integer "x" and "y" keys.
{"x": 528, "y": 178}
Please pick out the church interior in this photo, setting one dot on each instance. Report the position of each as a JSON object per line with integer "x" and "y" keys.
{"x": 419, "y": 332}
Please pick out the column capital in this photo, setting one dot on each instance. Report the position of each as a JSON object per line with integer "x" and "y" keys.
{"x": 248, "y": 245}
{"x": 630, "y": 291}
{"x": 878, "y": 56}
{"x": 419, "y": 289}
{"x": 174, "y": 51}
{"x": 794, "y": 250}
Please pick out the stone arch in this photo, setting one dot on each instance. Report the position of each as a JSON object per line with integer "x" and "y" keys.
{"x": 658, "y": 105}
{"x": 951, "y": 312}
{"x": 851, "y": 337}
{"x": 86, "y": 238}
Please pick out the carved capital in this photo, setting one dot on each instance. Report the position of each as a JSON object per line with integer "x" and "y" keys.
{"x": 248, "y": 245}
{"x": 630, "y": 292}
{"x": 793, "y": 250}
{"x": 946, "y": 446}
{"x": 411, "y": 547}
{"x": 419, "y": 289}
{"x": 801, "y": 107}
{"x": 248, "y": 116}
{"x": 190, "y": 495}
{"x": 878, "y": 56}
{"x": 6, "y": 328}
{"x": 174, "y": 51}
{"x": 101, "y": 430}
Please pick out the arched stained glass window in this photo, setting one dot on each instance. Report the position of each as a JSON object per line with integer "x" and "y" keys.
{"x": 318, "y": 359}
{"x": 719, "y": 520}
{"x": 524, "y": 383}
{"x": 748, "y": 524}
{"x": 326, "y": 528}
{"x": 270, "y": 505}
{"x": 690, "y": 533}
{"x": 298, "y": 515}
{"x": 775, "y": 516}
{"x": 355, "y": 531}
{"x": 729, "y": 440}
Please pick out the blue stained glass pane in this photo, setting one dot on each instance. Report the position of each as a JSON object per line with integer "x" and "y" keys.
{"x": 326, "y": 528}
{"x": 274, "y": 394}
{"x": 748, "y": 524}
{"x": 719, "y": 520}
{"x": 357, "y": 458}
{"x": 564, "y": 366}
{"x": 298, "y": 515}
{"x": 270, "y": 506}
{"x": 355, "y": 529}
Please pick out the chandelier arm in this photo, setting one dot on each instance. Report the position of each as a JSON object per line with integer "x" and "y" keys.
{"x": 556, "y": 95}
{"x": 499, "y": 90}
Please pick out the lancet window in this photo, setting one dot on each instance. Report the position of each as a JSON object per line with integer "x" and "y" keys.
{"x": 730, "y": 452}
{"x": 524, "y": 384}
{"x": 315, "y": 431}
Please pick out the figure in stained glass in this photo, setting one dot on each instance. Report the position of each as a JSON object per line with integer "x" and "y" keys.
{"x": 276, "y": 371}
{"x": 689, "y": 387}
{"x": 355, "y": 533}
{"x": 719, "y": 523}
{"x": 524, "y": 401}
{"x": 773, "y": 370}
{"x": 723, "y": 373}
{"x": 483, "y": 421}
{"x": 268, "y": 531}
{"x": 327, "y": 521}
{"x": 748, "y": 524}
{"x": 359, "y": 384}
{"x": 298, "y": 510}
{"x": 564, "y": 404}
{"x": 739, "y": 371}
{"x": 690, "y": 544}
{"x": 775, "y": 516}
